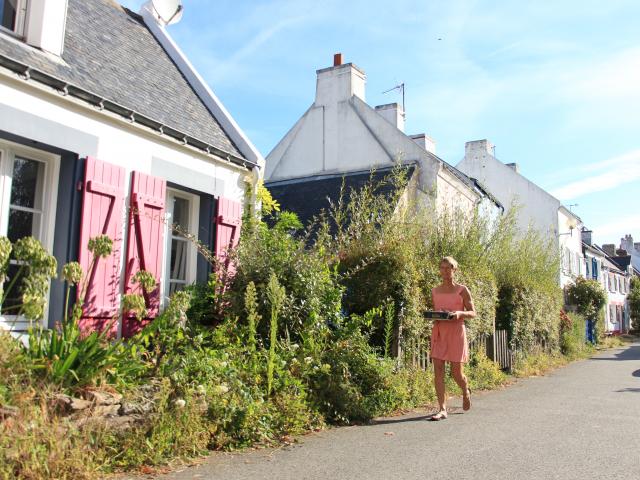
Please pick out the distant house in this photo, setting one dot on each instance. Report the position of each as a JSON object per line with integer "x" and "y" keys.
{"x": 340, "y": 135}
{"x": 608, "y": 269}
{"x": 106, "y": 128}
{"x": 537, "y": 208}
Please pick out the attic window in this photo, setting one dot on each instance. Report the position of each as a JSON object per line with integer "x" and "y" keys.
{"x": 12, "y": 15}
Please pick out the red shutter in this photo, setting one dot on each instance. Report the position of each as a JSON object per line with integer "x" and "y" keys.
{"x": 102, "y": 207}
{"x": 228, "y": 222}
{"x": 145, "y": 243}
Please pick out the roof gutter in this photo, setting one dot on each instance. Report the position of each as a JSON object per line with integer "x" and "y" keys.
{"x": 65, "y": 88}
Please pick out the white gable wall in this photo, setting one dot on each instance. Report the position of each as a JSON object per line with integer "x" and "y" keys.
{"x": 537, "y": 207}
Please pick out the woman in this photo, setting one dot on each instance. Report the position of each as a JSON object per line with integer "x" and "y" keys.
{"x": 449, "y": 337}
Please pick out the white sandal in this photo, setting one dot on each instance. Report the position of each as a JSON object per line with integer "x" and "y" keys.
{"x": 441, "y": 415}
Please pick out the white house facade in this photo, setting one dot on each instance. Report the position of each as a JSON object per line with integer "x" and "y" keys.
{"x": 106, "y": 128}
{"x": 340, "y": 135}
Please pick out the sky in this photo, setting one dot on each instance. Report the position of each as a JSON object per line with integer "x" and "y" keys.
{"x": 554, "y": 85}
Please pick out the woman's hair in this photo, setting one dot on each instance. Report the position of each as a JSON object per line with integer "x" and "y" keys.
{"x": 451, "y": 261}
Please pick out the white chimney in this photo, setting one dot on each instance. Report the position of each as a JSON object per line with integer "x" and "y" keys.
{"x": 478, "y": 147}
{"x": 46, "y": 24}
{"x": 339, "y": 83}
{"x": 425, "y": 141}
{"x": 392, "y": 113}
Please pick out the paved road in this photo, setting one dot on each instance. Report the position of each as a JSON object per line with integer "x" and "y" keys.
{"x": 580, "y": 422}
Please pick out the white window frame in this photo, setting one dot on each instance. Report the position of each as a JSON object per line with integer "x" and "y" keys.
{"x": 21, "y": 20}
{"x": 192, "y": 255}
{"x": 8, "y": 153}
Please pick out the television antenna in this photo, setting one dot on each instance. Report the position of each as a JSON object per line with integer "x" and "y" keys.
{"x": 400, "y": 88}
{"x": 168, "y": 11}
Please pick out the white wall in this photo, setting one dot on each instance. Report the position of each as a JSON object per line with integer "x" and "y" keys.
{"x": 570, "y": 244}
{"x": 114, "y": 140}
{"x": 537, "y": 207}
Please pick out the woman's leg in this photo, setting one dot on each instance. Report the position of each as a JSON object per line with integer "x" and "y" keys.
{"x": 438, "y": 370}
{"x": 457, "y": 370}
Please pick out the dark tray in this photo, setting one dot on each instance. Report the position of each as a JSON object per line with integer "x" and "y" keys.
{"x": 437, "y": 315}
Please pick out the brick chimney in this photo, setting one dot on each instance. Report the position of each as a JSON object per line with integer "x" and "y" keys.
{"x": 586, "y": 236}
{"x": 339, "y": 83}
{"x": 609, "y": 249}
{"x": 392, "y": 113}
{"x": 45, "y": 25}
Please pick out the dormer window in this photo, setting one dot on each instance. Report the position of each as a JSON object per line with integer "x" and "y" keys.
{"x": 12, "y": 15}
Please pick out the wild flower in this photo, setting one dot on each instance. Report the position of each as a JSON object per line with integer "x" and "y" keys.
{"x": 146, "y": 280}
{"x": 100, "y": 246}
{"x": 134, "y": 304}
{"x": 72, "y": 273}
{"x": 180, "y": 403}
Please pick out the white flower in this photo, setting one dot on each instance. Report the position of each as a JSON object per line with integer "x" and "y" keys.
{"x": 180, "y": 403}
{"x": 201, "y": 390}
{"x": 295, "y": 346}
{"x": 222, "y": 389}
{"x": 223, "y": 364}
{"x": 308, "y": 359}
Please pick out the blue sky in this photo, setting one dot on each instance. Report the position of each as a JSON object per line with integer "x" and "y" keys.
{"x": 555, "y": 85}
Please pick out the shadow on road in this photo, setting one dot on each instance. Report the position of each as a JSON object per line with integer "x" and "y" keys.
{"x": 385, "y": 421}
{"x": 636, "y": 373}
{"x": 629, "y": 390}
{"x": 631, "y": 353}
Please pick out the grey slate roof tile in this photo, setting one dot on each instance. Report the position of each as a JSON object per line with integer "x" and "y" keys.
{"x": 110, "y": 52}
{"x": 308, "y": 197}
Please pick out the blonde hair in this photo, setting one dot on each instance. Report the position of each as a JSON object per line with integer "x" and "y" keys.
{"x": 451, "y": 261}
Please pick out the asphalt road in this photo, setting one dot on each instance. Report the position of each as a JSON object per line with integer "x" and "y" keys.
{"x": 579, "y": 422}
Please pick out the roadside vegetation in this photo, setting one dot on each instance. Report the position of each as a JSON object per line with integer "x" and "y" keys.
{"x": 317, "y": 325}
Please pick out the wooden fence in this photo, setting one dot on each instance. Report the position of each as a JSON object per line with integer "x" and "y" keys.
{"x": 415, "y": 352}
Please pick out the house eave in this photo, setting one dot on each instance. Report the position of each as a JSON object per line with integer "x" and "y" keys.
{"x": 66, "y": 89}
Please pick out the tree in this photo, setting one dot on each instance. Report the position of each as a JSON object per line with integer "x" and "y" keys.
{"x": 633, "y": 298}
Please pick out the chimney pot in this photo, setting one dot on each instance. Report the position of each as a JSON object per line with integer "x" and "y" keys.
{"x": 337, "y": 59}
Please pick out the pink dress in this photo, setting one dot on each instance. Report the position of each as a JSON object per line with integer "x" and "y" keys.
{"x": 449, "y": 337}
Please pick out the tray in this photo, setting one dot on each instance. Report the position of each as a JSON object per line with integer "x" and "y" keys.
{"x": 437, "y": 315}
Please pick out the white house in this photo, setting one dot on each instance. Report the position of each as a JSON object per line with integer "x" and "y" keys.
{"x": 600, "y": 266}
{"x": 341, "y": 135}
{"x": 632, "y": 248}
{"x": 569, "y": 237}
{"x": 106, "y": 128}
{"x": 537, "y": 209}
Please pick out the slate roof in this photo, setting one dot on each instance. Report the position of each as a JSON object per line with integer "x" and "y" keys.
{"x": 109, "y": 51}
{"x": 308, "y": 196}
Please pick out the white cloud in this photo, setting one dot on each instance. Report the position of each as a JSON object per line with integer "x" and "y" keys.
{"x": 610, "y": 173}
{"x": 614, "y": 230}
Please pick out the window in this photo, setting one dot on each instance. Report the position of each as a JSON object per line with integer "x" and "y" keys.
{"x": 28, "y": 191}
{"x": 12, "y": 15}
{"x": 181, "y": 254}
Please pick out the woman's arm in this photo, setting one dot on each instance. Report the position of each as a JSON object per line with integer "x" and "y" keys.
{"x": 469, "y": 307}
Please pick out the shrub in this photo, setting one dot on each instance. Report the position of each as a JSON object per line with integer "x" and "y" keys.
{"x": 588, "y": 296}
{"x": 633, "y": 297}
{"x": 573, "y": 336}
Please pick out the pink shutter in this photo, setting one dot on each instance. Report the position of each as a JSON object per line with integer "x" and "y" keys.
{"x": 228, "y": 222}
{"x": 145, "y": 243}
{"x": 102, "y": 206}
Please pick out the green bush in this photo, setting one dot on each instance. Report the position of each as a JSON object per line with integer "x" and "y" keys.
{"x": 573, "y": 342}
{"x": 350, "y": 382}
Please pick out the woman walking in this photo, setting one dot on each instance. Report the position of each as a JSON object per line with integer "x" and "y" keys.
{"x": 449, "y": 337}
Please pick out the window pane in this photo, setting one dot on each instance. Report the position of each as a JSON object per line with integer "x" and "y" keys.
{"x": 26, "y": 190}
{"x": 178, "y": 263}
{"x": 8, "y": 13}
{"x": 176, "y": 287}
{"x": 181, "y": 212}
{"x": 23, "y": 224}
